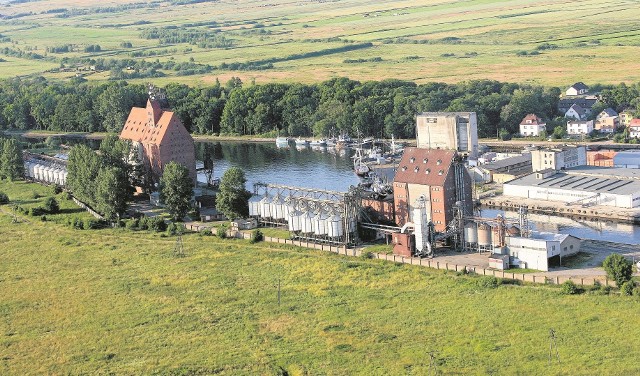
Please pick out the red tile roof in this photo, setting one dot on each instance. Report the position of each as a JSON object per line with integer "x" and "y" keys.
{"x": 533, "y": 120}
{"x": 149, "y": 125}
{"x": 424, "y": 166}
{"x": 634, "y": 123}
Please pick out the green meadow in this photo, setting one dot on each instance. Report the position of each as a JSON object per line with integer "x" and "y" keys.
{"x": 114, "y": 301}
{"x": 421, "y": 41}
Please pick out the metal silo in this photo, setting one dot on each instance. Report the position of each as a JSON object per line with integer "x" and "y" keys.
{"x": 265, "y": 207}
{"x": 335, "y": 227}
{"x": 37, "y": 173}
{"x": 471, "y": 233}
{"x": 306, "y": 222}
{"x": 294, "y": 220}
{"x": 254, "y": 206}
{"x": 278, "y": 208}
{"x": 484, "y": 236}
{"x": 322, "y": 223}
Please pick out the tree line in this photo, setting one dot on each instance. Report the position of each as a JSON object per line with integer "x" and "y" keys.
{"x": 330, "y": 108}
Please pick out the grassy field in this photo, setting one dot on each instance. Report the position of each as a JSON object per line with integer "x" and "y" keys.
{"x": 116, "y": 301}
{"x": 422, "y": 41}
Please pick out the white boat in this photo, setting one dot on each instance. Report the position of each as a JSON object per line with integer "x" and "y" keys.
{"x": 301, "y": 142}
{"x": 321, "y": 142}
{"x": 282, "y": 141}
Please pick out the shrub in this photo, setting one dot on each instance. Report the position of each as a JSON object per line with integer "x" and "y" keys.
{"x": 36, "y": 212}
{"x": 366, "y": 255}
{"x": 43, "y": 218}
{"x": 132, "y": 224}
{"x": 172, "y": 229}
{"x": 65, "y": 196}
{"x": 627, "y": 288}
{"x": 205, "y": 232}
{"x": 618, "y": 268}
{"x": 156, "y": 224}
{"x": 76, "y": 223}
{"x": 55, "y": 189}
{"x": 35, "y": 195}
{"x": 90, "y": 223}
{"x": 569, "y": 288}
{"x": 143, "y": 223}
{"x": 221, "y": 231}
{"x": 51, "y": 205}
{"x": 489, "y": 282}
{"x": 4, "y": 199}
{"x": 256, "y": 236}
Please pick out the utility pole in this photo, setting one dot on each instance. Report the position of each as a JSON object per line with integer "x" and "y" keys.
{"x": 552, "y": 344}
{"x": 178, "y": 250}
{"x": 278, "y": 291}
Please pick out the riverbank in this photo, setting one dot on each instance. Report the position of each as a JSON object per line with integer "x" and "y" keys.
{"x": 608, "y": 213}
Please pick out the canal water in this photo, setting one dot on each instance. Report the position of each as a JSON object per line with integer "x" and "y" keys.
{"x": 328, "y": 169}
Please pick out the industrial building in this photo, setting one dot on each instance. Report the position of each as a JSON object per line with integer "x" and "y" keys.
{"x": 536, "y": 251}
{"x": 627, "y": 159}
{"x": 600, "y": 158}
{"x": 503, "y": 170}
{"x": 437, "y": 175}
{"x": 449, "y": 131}
{"x": 584, "y": 185}
{"x": 558, "y": 158}
{"x": 159, "y": 138}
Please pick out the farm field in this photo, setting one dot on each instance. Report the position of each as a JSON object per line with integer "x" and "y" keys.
{"x": 550, "y": 42}
{"x": 117, "y": 301}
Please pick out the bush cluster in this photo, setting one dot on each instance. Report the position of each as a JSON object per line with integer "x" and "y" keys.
{"x": 489, "y": 282}
{"x": 256, "y": 236}
{"x": 154, "y": 224}
{"x": 85, "y": 224}
{"x": 4, "y": 199}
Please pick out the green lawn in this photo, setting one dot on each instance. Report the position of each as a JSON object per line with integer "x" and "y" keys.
{"x": 116, "y": 301}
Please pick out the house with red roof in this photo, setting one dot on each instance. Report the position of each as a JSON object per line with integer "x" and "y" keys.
{"x": 159, "y": 137}
{"x": 532, "y": 125}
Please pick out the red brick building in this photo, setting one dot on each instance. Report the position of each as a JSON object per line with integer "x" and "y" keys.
{"x": 432, "y": 173}
{"x": 160, "y": 138}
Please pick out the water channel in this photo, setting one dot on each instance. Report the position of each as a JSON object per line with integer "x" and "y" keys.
{"x": 328, "y": 169}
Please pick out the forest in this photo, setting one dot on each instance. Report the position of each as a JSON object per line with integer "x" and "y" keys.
{"x": 330, "y": 108}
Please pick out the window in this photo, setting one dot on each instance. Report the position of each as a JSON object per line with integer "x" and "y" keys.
{"x": 571, "y": 246}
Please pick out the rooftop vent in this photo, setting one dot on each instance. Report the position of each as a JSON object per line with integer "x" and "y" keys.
{"x": 404, "y": 168}
{"x": 413, "y": 159}
{"x": 425, "y": 160}
{"x": 440, "y": 172}
{"x": 427, "y": 171}
{"x": 439, "y": 161}
{"x": 416, "y": 169}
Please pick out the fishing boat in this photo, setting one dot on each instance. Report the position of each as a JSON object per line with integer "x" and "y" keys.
{"x": 301, "y": 143}
{"x": 318, "y": 143}
{"x": 360, "y": 168}
{"x": 282, "y": 141}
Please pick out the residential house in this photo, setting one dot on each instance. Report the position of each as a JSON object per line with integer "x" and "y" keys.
{"x": 579, "y": 127}
{"x": 578, "y": 88}
{"x": 625, "y": 118}
{"x": 576, "y": 112}
{"x": 159, "y": 137}
{"x": 634, "y": 128}
{"x": 585, "y": 102}
{"x": 532, "y": 125}
{"x": 431, "y": 173}
{"x": 607, "y": 121}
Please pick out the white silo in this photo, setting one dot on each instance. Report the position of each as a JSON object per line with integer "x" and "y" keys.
{"x": 335, "y": 228}
{"x": 322, "y": 223}
{"x": 37, "y": 172}
{"x": 64, "y": 178}
{"x": 307, "y": 222}
{"x": 265, "y": 207}
{"x": 56, "y": 175}
{"x": 295, "y": 223}
{"x": 48, "y": 174}
{"x": 254, "y": 206}
{"x": 279, "y": 209}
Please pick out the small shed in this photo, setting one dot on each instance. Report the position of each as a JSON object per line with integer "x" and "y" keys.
{"x": 500, "y": 262}
{"x": 244, "y": 224}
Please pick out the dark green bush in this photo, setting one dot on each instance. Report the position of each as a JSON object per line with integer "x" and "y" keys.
{"x": 569, "y": 288}
{"x": 618, "y": 268}
{"x": 132, "y": 224}
{"x": 205, "y": 232}
{"x": 172, "y": 229}
{"x": 221, "y": 231}
{"x": 627, "y": 288}
{"x": 4, "y": 199}
{"x": 488, "y": 281}
{"x": 65, "y": 196}
{"x": 143, "y": 223}
{"x": 36, "y": 212}
{"x": 256, "y": 236}
{"x": 156, "y": 224}
{"x": 366, "y": 255}
{"x": 51, "y": 206}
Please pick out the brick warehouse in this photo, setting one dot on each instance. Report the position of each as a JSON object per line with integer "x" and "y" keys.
{"x": 160, "y": 138}
{"x": 432, "y": 173}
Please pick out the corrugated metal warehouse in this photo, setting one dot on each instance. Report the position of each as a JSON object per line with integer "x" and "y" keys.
{"x": 585, "y": 185}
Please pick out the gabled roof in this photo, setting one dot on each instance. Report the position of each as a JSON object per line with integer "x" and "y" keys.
{"x": 532, "y": 119}
{"x": 634, "y": 123}
{"x": 150, "y": 124}
{"x": 425, "y": 166}
{"x": 580, "y": 86}
{"x": 582, "y": 102}
{"x": 608, "y": 112}
{"x": 579, "y": 110}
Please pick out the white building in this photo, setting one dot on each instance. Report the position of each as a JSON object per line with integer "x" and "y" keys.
{"x": 579, "y": 88}
{"x": 532, "y": 125}
{"x": 558, "y": 158}
{"x": 579, "y": 127}
{"x": 634, "y": 128}
{"x": 584, "y": 186}
{"x": 450, "y": 131}
{"x": 576, "y": 112}
{"x": 536, "y": 251}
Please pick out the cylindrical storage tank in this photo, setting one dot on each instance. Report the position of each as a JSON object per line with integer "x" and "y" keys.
{"x": 40, "y": 172}
{"x": 513, "y": 231}
{"x": 265, "y": 207}
{"x": 335, "y": 228}
{"x": 295, "y": 220}
{"x": 48, "y": 174}
{"x": 36, "y": 172}
{"x": 279, "y": 209}
{"x": 254, "y": 206}
{"x": 484, "y": 235}
{"x": 353, "y": 224}
{"x": 471, "y": 232}
{"x": 64, "y": 177}
{"x": 322, "y": 224}
{"x": 56, "y": 176}
{"x": 307, "y": 221}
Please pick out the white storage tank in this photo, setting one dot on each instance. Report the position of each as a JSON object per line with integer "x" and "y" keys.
{"x": 322, "y": 224}
{"x": 56, "y": 176}
{"x": 64, "y": 177}
{"x": 335, "y": 228}
{"x": 307, "y": 221}
{"x": 254, "y": 206}
{"x": 279, "y": 208}
{"x": 295, "y": 223}
{"x": 37, "y": 172}
{"x": 48, "y": 174}
{"x": 265, "y": 207}
{"x": 471, "y": 232}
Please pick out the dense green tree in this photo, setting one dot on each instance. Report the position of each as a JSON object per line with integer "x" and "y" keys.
{"x": 11, "y": 163}
{"x": 232, "y": 200}
{"x": 83, "y": 167}
{"x": 176, "y": 189}
{"x": 618, "y": 268}
{"x": 559, "y": 132}
{"x": 113, "y": 191}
